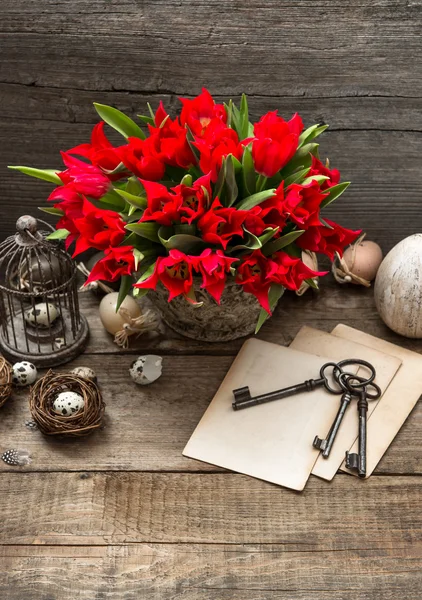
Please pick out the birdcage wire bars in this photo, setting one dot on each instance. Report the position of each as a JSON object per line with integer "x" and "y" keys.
{"x": 40, "y": 320}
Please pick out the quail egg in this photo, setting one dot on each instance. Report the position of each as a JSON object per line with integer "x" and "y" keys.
{"x": 41, "y": 315}
{"x": 23, "y": 373}
{"x": 85, "y": 372}
{"x": 68, "y": 403}
{"x": 146, "y": 369}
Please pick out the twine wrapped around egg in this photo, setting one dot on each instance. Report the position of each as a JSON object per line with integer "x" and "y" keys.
{"x": 347, "y": 268}
{"x": 5, "y": 380}
{"x": 46, "y": 390}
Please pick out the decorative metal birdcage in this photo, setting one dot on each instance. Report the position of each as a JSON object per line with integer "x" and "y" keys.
{"x": 40, "y": 319}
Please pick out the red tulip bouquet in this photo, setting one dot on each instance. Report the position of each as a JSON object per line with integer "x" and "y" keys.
{"x": 206, "y": 195}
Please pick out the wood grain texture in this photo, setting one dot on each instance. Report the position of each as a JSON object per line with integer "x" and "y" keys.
{"x": 147, "y": 427}
{"x": 214, "y": 572}
{"x": 122, "y": 508}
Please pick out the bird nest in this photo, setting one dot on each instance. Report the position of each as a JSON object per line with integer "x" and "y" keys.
{"x": 45, "y": 391}
{"x": 5, "y": 380}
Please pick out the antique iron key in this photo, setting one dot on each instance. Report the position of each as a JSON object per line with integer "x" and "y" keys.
{"x": 244, "y": 399}
{"x": 327, "y": 444}
{"x": 357, "y": 462}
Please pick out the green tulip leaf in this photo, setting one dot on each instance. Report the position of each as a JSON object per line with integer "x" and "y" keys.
{"x": 136, "y": 201}
{"x": 51, "y": 211}
{"x": 274, "y": 294}
{"x": 125, "y": 285}
{"x": 119, "y": 121}
{"x": 334, "y": 193}
{"x": 248, "y": 173}
{"x": 281, "y": 242}
{"x": 296, "y": 177}
{"x": 146, "y": 230}
{"x": 255, "y": 199}
{"x": 179, "y": 241}
{"x": 45, "y": 174}
{"x": 59, "y": 234}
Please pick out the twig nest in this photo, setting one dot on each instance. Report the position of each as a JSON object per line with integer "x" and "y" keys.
{"x": 398, "y": 288}
{"x": 128, "y": 320}
{"x": 55, "y": 386}
{"x": 6, "y": 374}
{"x": 146, "y": 369}
{"x": 359, "y": 264}
{"x": 42, "y": 315}
{"x": 85, "y": 372}
{"x": 24, "y": 373}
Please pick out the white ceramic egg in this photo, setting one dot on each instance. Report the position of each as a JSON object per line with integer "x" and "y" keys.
{"x": 398, "y": 287}
{"x": 68, "y": 403}
{"x": 113, "y": 321}
{"x": 146, "y": 369}
{"x": 41, "y": 315}
{"x": 85, "y": 372}
{"x": 23, "y": 373}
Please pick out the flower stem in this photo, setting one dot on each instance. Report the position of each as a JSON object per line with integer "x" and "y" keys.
{"x": 260, "y": 184}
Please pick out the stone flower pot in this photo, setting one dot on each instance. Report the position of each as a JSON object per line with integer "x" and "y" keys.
{"x": 235, "y": 317}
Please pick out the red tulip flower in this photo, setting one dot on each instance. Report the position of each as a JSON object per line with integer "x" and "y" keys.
{"x": 200, "y": 112}
{"x": 213, "y": 267}
{"x": 218, "y": 142}
{"x": 194, "y": 199}
{"x": 275, "y": 142}
{"x": 301, "y": 203}
{"x": 98, "y": 228}
{"x": 327, "y": 240}
{"x": 163, "y": 206}
{"x": 170, "y": 140}
{"x": 100, "y": 152}
{"x": 80, "y": 178}
{"x": 269, "y": 213}
{"x": 291, "y": 271}
{"x": 254, "y": 274}
{"x": 143, "y": 158}
{"x": 174, "y": 272}
{"x": 318, "y": 168}
{"x": 218, "y": 225}
{"x": 116, "y": 263}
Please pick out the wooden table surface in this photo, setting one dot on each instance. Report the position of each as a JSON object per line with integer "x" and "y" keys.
{"x": 122, "y": 515}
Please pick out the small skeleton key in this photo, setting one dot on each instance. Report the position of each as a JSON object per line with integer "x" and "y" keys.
{"x": 357, "y": 462}
{"x": 327, "y": 444}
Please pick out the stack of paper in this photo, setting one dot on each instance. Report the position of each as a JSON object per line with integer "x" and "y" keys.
{"x": 273, "y": 441}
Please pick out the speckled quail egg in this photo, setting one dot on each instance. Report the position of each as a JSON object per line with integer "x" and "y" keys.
{"x": 23, "y": 373}
{"x": 146, "y": 369}
{"x": 41, "y": 315}
{"x": 85, "y": 372}
{"x": 68, "y": 403}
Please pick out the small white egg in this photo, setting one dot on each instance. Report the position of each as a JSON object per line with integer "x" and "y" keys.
{"x": 85, "y": 372}
{"x": 146, "y": 369}
{"x": 68, "y": 403}
{"x": 23, "y": 373}
{"x": 41, "y": 315}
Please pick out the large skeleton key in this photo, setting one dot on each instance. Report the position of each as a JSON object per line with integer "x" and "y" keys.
{"x": 327, "y": 444}
{"x": 357, "y": 462}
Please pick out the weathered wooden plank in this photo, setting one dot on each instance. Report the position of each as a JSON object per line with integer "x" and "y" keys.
{"x": 208, "y": 572}
{"x": 22, "y": 102}
{"x": 120, "y": 508}
{"x": 147, "y": 427}
{"x": 383, "y": 166}
{"x": 288, "y": 48}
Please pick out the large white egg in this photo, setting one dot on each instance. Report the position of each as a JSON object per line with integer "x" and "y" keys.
{"x": 41, "y": 315}
{"x": 113, "y": 321}
{"x": 398, "y": 287}
{"x": 23, "y": 373}
{"x": 146, "y": 369}
{"x": 68, "y": 403}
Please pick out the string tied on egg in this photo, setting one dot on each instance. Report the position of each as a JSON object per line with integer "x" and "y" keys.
{"x": 358, "y": 269}
{"x": 147, "y": 321}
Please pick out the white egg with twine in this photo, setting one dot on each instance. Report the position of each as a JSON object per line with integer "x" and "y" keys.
{"x": 398, "y": 288}
{"x": 128, "y": 320}
{"x": 359, "y": 263}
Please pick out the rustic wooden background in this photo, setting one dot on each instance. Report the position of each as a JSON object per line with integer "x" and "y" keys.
{"x": 355, "y": 65}
{"x": 122, "y": 515}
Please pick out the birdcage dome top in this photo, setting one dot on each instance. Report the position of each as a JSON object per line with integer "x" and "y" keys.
{"x": 30, "y": 264}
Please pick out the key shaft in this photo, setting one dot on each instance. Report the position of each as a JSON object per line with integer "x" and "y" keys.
{"x": 357, "y": 461}
{"x": 242, "y": 400}
{"x": 327, "y": 444}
